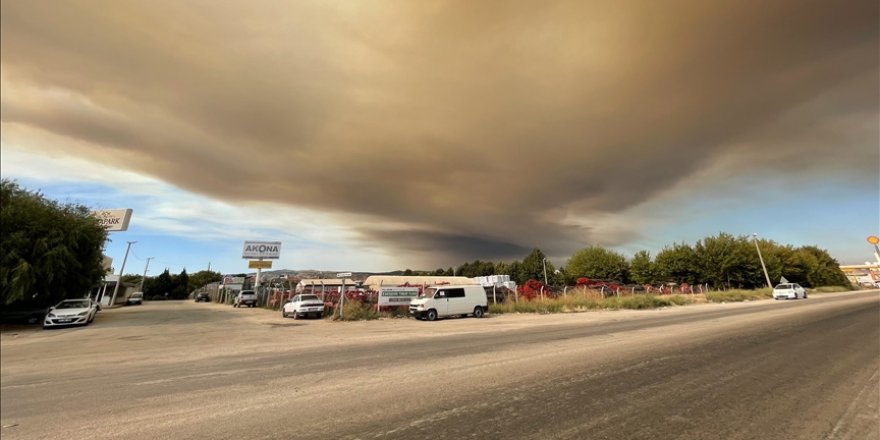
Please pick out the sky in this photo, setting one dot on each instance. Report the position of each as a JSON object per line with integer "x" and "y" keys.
{"x": 379, "y": 136}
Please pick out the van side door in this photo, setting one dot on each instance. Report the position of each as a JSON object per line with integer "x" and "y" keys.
{"x": 458, "y": 304}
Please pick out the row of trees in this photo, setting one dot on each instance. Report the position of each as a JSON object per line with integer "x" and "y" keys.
{"x": 168, "y": 286}
{"x": 722, "y": 261}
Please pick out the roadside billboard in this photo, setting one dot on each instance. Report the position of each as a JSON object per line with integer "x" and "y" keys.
{"x": 397, "y": 296}
{"x": 113, "y": 219}
{"x": 233, "y": 280}
{"x": 254, "y": 250}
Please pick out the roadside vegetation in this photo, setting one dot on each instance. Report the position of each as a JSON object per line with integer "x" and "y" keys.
{"x": 50, "y": 251}
{"x": 738, "y": 295}
{"x": 589, "y": 300}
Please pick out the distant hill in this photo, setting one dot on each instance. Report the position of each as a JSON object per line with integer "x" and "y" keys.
{"x": 309, "y": 273}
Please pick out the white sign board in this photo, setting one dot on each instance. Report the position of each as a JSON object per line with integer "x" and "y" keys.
{"x": 343, "y": 275}
{"x": 113, "y": 219}
{"x": 397, "y": 296}
{"x": 261, "y": 249}
{"x": 233, "y": 280}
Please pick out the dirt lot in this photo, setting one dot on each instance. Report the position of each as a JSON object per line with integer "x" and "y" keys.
{"x": 765, "y": 369}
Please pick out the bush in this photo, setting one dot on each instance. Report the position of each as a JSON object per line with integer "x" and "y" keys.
{"x": 357, "y": 311}
{"x": 582, "y": 301}
{"x": 739, "y": 295}
{"x": 828, "y": 289}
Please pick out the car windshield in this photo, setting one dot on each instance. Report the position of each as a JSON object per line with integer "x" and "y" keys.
{"x": 784, "y": 286}
{"x": 428, "y": 293}
{"x": 73, "y": 305}
{"x": 309, "y": 298}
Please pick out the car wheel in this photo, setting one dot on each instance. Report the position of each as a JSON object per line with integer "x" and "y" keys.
{"x": 294, "y": 315}
{"x": 431, "y": 315}
{"x": 283, "y": 313}
{"x": 478, "y": 312}
{"x": 805, "y": 295}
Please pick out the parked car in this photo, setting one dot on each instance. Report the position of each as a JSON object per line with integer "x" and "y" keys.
{"x": 71, "y": 312}
{"x": 789, "y": 291}
{"x": 245, "y": 298}
{"x": 22, "y": 314}
{"x": 440, "y": 301}
{"x": 203, "y": 297}
{"x": 135, "y": 299}
{"x": 303, "y": 305}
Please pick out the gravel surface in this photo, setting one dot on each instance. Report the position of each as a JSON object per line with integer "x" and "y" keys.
{"x": 180, "y": 370}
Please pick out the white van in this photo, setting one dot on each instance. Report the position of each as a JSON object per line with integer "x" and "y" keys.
{"x": 441, "y": 301}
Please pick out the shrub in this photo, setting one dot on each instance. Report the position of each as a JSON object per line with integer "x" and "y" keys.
{"x": 739, "y": 295}
{"x": 586, "y": 300}
{"x": 828, "y": 289}
{"x": 357, "y": 311}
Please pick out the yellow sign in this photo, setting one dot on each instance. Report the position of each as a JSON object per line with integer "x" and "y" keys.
{"x": 256, "y": 264}
{"x": 873, "y": 239}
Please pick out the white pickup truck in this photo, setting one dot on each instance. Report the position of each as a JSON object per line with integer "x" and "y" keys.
{"x": 245, "y": 298}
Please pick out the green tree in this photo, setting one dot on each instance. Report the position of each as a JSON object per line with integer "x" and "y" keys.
{"x": 180, "y": 283}
{"x": 161, "y": 286}
{"x": 677, "y": 264}
{"x": 641, "y": 268}
{"x": 532, "y": 268}
{"x": 597, "y": 263}
{"x": 49, "y": 251}
{"x": 725, "y": 260}
{"x": 202, "y": 278}
{"x": 826, "y": 271}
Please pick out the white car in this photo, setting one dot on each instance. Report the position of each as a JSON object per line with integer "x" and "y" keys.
{"x": 789, "y": 291}
{"x": 303, "y": 305}
{"x": 71, "y": 312}
{"x": 136, "y": 298}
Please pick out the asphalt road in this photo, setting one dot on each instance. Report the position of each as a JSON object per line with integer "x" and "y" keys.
{"x": 807, "y": 369}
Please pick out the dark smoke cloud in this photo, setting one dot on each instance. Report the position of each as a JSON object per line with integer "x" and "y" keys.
{"x": 476, "y": 129}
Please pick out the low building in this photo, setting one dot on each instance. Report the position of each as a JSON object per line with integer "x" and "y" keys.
{"x": 325, "y": 285}
{"x": 374, "y": 282}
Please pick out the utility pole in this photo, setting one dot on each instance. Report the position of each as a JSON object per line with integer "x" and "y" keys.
{"x": 144, "y": 277}
{"x": 766, "y": 276}
{"x": 121, "y": 269}
{"x": 544, "y": 262}
{"x": 209, "y": 266}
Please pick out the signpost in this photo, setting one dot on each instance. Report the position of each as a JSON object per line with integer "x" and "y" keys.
{"x": 260, "y": 250}
{"x": 113, "y": 220}
{"x": 342, "y": 276}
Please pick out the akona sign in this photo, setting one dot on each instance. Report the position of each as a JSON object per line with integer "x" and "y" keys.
{"x": 261, "y": 249}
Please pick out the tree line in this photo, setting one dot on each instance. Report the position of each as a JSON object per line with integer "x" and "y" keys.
{"x": 169, "y": 286}
{"x": 723, "y": 261}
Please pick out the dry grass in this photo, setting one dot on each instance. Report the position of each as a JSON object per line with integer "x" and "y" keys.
{"x": 590, "y": 300}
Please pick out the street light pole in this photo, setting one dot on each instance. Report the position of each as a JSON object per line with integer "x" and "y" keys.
{"x": 766, "y": 276}
{"x": 544, "y": 262}
{"x": 121, "y": 269}
{"x": 141, "y": 288}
